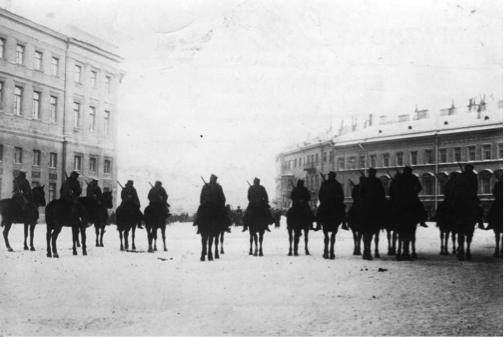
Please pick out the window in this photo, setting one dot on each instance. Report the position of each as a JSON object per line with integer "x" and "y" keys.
{"x": 331, "y": 156}
{"x": 1, "y": 152}
{"x": 351, "y": 163}
{"x": 316, "y": 158}
{"x": 76, "y": 109}
{"x": 428, "y": 157}
{"x": 92, "y": 118}
{"x": 20, "y": 54}
{"x": 500, "y": 151}
{"x": 53, "y": 160}
{"x": 38, "y": 61}
{"x": 362, "y": 162}
{"x": 53, "y": 108}
{"x": 316, "y": 181}
{"x": 414, "y": 158}
{"x": 487, "y": 152}
{"x": 18, "y": 99}
{"x": 106, "y": 126}
{"x": 325, "y": 157}
{"x": 471, "y": 153}
{"x": 1, "y": 95}
{"x": 108, "y": 81}
{"x": 106, "y": 166}
{"x": 54, "y": 66}
{"x": 77, "y": 74}
{"x": 18, "y": 155}
{"x": 386, "y": 160}
{"x": 36, "y": 158}
{"x": 372, "y": 161}
{"x": 442, "y": 156}
{"x": 92, "y": 165}
{"x": 2, "y": 48}
{"x": 77, "y": 163}
{"x": 428, "y": 182}
{"x": 341, "y": 163}
{"x": 94, "y": 75}
{"x": 52, "y": 191}
{"x": 36, "y": 105}
{"x": 295, "y": 163}
{"x": 399, "y": 159}
{"x": 457, "y": 154}
{"x": 35, "y": 184}
{"x": 486, "y": 185}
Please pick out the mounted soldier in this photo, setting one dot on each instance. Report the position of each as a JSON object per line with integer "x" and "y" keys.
{"x": 157, "y": 195}
{"x": 495, "y": 213}
{"x": 21, "y": 191}
{"x": 463, "y": 196}
{"x": 258, "y": 205}
{"x": 300, "y": 197}
{"x": 406, "y": 193}
{"x": 94, "y": 191}
{"x": 331, "y": 197}
{"x": 129, "y": 193}
{"x": 70, "y": 191}
{"x": 212, "y": 193}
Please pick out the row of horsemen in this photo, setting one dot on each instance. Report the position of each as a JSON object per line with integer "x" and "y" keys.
{"x": 370, "y": 209}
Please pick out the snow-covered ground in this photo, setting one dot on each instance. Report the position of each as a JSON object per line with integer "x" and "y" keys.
{"x": 110, "y": 292}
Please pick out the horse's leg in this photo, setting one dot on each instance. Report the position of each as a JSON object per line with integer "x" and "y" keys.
{"x": 32, "y": 234}
{"x": 83, "y": 235}
{"x": 26, "y": 224}
{"x": 394, "y": 242}
{"x": 497, "y": 243}
{"x": 389, "y": 242}
{"x": 163, "y": 234}
{"x": 256, "y": 249}
{"x": 290, "y": 241}
{"x": 442, "y": 238}
{"x": 75, "y": 237}
{"x": 222, "y": 243}
{"x": 97, "y": 231}
{"x": 133, "y": 231}
{"x": 261, "y": 236}
{"x": 7, "y": 227}
{"x": 210, "y": 242}
{"x": 121, "y": 239}
{"x": 102, "y": 231}
{"x": 326, "y": 244}
{"x": 413, "y": 243}
{"x": 399, "y": 246}
{"x": 307, "y": 252}
{"x": 54, "y": 238}
{"x": 148, "y": 229}
{"x": 376, "y": 242}
{"x": 204, "y": 240}
{"x": 297, "y": 235}
{"x": 367, "y": 238}
{"x": 216, "y": 254}
{"x": 126, "y": 239}
{"x": 48, "y": 241}
{"x": 460, "y": 249}
{"x": 454, "y": 239}
{"x": 333, "y": 241}
{"x": 251, "y": 241}
{"x": 468, "y": 241}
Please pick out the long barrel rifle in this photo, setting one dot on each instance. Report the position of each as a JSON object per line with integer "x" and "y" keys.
{"x": 351, "y": 182}
{"x": 460, "y": 165}
{"x": 120, "y": 184}
{"x": 323, "y": 177}
{"x": 204, "y": 181}
{"x": 362, "y": 173}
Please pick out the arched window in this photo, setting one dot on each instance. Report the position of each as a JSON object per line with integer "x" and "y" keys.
{"x": 442, "y": 178}
{"x": 428, "y": 184}
{"x": 385, "y": 179}
{"x": 485, "y": 182}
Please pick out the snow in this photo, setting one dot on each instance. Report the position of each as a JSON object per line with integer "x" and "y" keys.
{"x": 110, "y": 292}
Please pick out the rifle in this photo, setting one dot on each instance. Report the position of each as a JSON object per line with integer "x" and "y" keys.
{"x": 397, "y": 170}
{"x": 292, "y": 184}
{"x": 201, "y": 179}
{"x": 323, "y": 177}
{"x": 362, "y": 173}
{"x": 120, "y": 184}
{"x": 66, "y": 175}
{"x": 249, "y": 183}
{"x": 351, "y": 182}
{"x": 460, "y": 165}
{"x": 151, "y": 184}
{"x": 86, "y": 182}
{"x": 389, "y": 174}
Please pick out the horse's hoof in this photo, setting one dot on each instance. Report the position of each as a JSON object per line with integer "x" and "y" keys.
{"x": 150, "y": 250}
{"x": 101, "y": 245}
{"x": 84, "y": 253}
{"x": 210, "y": 258}
{"x": 32, "y": 249}
{"x": 222, "y": 252}
{"x": 26, "y": 248}
{"x": 290, "y": 254}
{"x": 122, "y": 249}
{"x": 133, "y": 248}
{"x": 296, "y": 254}
{"x": 48, "y": 255}
{"x": 165, "y": 250}
{"x": 55, "y": 255}
{"x": 255, "y": 254}
{"x": 97, "y": 245}
{"x": 250, "y": 253}
{"x": 74, "y": 253}
{"x": 333, "y": 257}
{"x": 325, "y": 256}
{"x": 261, "y": 254}
{"x": 414, "y": 255}
{"x": 307, "y": 253}
{"x": 377, "y": 255}
{"x": 202, "y": 259}
{"x": 10, "y": 249}
{"x": 468, "y": 257}
{"x": 367, "y": 257}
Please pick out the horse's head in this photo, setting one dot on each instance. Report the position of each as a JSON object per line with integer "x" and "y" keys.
{"x": 39, "y": 195}
{"x": 108, "y": 199}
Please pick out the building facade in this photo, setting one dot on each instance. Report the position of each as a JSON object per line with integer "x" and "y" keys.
{"x": 58, "y": 106}
{"x": 433, "y": 145}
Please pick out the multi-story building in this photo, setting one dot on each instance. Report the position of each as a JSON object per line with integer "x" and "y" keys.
{"x": 434, "y": 145}
{"x": 58, "y": 105}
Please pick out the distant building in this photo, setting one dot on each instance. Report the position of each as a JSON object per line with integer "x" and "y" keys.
{"x": 431, "y": 143}
{"x": 58, "y": 105}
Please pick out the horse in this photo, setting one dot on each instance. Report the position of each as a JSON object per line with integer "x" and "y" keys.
{"x": 257, "y": 219}
{"x": 354, "y": 217}
{"x": 98, "y": 214}
{"x": 407, "y": 222}
{"x": 212, "y": 219}
{"x": 128, "y": 215}
{"x": 155, "y": 216}
{"x": 330, "y": 217}
{"x": 12, "y": 212}
{"x": 445, "y": 228}
{"x": 299, "y": 218}
{"x": 495, "y": 222}
{"x": 64, "y": 213}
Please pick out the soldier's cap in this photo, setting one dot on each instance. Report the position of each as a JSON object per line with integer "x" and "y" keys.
{"x": 332, "y": 173}
{"x": 300, "y": 181}
{"x": 157, "y": 183}
{"x": 372, "y": 170}
{"x": 257, "y": 179}
{"x": 129, "y": 182}
{"x": 74, "y": 173}
{"x": 213, "y": 177}
{"x": 94, "y": 179}
{"x": 468, "y": 168}
{"x": 408, "y": 169}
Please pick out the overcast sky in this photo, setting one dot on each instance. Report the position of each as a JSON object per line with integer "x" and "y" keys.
{"x": 223, "y": 86}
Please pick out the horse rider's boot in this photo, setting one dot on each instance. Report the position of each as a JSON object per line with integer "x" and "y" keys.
{"x": 267, "y": 228}
{"x": 345, "y": 226}
{"x": 140, "y": 225}
{"x": 319, "y": 227}
{"x": 423, "y": 224}
{"x": 228, "y": 230}
{"x": 245, "y": 228}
